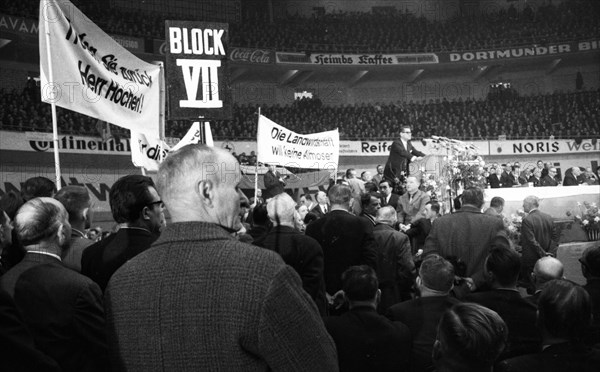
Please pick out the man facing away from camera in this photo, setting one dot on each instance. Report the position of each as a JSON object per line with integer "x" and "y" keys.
{"x": 209, "y": 301}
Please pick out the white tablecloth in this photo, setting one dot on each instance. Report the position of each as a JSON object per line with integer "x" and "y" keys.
{"x": 555, "y": 201}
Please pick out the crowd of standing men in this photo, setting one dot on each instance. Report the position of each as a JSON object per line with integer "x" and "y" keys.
{"x": 365, "y": 280}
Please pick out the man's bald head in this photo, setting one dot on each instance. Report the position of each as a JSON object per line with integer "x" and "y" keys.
{"x": 187, "y": 176}
{"x": 387, "y": 215}
{"x": 39, "y": 220}
{"x": 547, "y": 269}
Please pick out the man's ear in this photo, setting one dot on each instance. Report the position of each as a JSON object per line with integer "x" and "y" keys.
{"x": 206, "y": 192}
{"x": 86, "y": 214}
{"x": 61, "y": 234}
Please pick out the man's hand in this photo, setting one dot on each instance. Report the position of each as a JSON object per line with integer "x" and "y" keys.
{"x": 470, "y": 284}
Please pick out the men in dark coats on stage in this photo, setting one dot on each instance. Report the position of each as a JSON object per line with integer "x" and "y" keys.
{"x": 301, "y": 252}
{"x": 549, "y": 179}
{"x": 347, "y": 240}
{"x": 273, "y": 181}
{"x": 563, "y": 317}
{"x": 402, "y": 153}
{"x": 573, "y": 177}
{"x": 536, "y": 177}
{"x": 387, "y": 196}
{"x": 422, "y": 314}
{"x": 395, "y": 266}
{"x": 76, "y": 201}
{"x": 466, "y": 235}
{"x": 502, "y": 268}
{"x": 494, "y": 178}
{"x": 136, "y": 206}
{"x": 62, "y": 308}
{"x": 539, "y": 237}
{"x": 365, "y": 340}
{"x": 200, "y": 300}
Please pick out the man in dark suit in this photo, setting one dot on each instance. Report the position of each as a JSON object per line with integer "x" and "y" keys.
{"x": 418, "y": 230}
{"x": 322, "y": 207}
{"x": 573, "y": 177}
{"x": 508, "y": 178}
{"x": 370, "y": 202}
{"x": 136, "y": 206}
{"x": 274, "y": 183}
{"x": 564, "y": 315}
{"x": 395, "y": 266}
{"x": 301, "y": 252}
{"x": 466, "y": 234}
{"x": 422, "y": 314}
{"x": 199, "y": 299}
{"x": 536, "y": 177}
{"x": 76, "y": 201}
{"x": 539, "y": 237}
{"x": 365, "y": 340}
{"x": 496, "y": 207}
{"x": 62, "y": 308}
{"x": 347, "y": 240}
{"x": 549, "y": 179}
{"x": 502, "y": 268}
{"x": 387, "y": 196}
{"x": 494, "y": 178}
{"x": 402, "y": 153}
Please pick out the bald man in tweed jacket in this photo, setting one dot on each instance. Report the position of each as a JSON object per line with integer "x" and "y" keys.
{"x": 199, "y": 300}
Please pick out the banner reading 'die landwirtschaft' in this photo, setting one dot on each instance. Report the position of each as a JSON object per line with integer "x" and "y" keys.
{"x": 279, "y": 145}
{"x": 83, "y": 69}
{"x": 197, "y": 75}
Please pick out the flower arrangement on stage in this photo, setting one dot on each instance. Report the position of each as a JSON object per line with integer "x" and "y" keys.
{"x": 513, "y": 227}
{"x": 431, "y": 186}
{"x": 588, "y": 218}
{"x": 466, "y": 169}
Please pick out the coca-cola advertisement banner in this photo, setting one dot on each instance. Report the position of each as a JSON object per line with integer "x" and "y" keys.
{"x": 251, "y": 55}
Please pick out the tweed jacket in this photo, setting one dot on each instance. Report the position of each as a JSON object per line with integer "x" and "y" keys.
{"x": 465, "y": 234}
{"x": 413, "y": 209}
{"x": 212, "y": 303}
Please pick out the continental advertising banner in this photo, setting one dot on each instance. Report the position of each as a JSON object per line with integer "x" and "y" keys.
{"x": 520, "y": 52}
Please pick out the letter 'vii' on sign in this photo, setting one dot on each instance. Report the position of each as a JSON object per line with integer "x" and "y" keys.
{"x": 196, "y": 70}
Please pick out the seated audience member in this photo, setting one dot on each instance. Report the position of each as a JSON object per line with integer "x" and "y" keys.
{"x": 418, "y": 230}
{"x": 536, "y": 177}
{"x": 395, "y": 266}
{"x": 494, "y": 178}
{"x": 411, "y": 205}
{"x": 590, "y": 268}
{"x": 422, "y": 314}
{"x": 136, "y": 206}
{"x": 301, "y": 252}
{"x": 19, "y": 352}
{"x": 589, "y": 177}
{"x": 470, "y": 338}
{"x": 564, "y": 315}
{"x": 221, "y": 304}
{"x": 365, "y": 340}
{"x": 260, "y": 222}
{"x": 370, "y": 202}
{"x": 76, "y": 201}
{"x": 378, "y": 177}
{"x": 545, "y": 270}
{"x": 496, "y": 207}
{"x": 502, "y": 268}
{"x": 62, "y": 308}
{"x": 38, "y": 187}
{"x": 549, "y": 178}
{"x": 573, "y": 177}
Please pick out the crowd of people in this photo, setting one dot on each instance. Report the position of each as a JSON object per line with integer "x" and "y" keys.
{"x": 197, "y": 276}
{"x": 561, "y": 115}
{"x": 387, "y": 31}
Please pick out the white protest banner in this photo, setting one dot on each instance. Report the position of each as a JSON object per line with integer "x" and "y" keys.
{"x": 147, "y": 153}
{"x": 197, "y": 73}
{"x": 92, "y": 74}
{"x": 192, "y": 136}
{"x": 279, "y": 145}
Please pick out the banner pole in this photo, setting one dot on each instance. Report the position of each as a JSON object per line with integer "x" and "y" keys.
{"x": 256, "y": 168}
{"x": 52, "y": 105}
{"x": 162, "y": 102}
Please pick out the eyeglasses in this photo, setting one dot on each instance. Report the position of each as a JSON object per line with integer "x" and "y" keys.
{"x": 159, "y": 202}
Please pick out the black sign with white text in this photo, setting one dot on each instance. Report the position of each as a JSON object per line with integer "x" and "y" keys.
{"x": 196, "y": 70}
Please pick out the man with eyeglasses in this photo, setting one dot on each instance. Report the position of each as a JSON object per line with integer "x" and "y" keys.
{"x": 548, "y": 180}
{"x": 402, "y": 153}
{"x": 138, "y": 210}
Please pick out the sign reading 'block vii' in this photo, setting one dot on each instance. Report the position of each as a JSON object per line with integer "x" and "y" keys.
{"x": 197, "y": 75}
